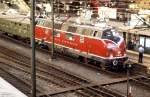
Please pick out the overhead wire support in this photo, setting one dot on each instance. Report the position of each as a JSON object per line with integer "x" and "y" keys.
{"x": 33, "y": 65}
{"x": 52, "y": 51}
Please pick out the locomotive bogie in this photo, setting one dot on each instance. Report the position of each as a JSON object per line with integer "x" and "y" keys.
{"x": 117, "y": 63}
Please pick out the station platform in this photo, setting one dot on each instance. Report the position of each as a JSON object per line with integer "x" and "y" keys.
{"x": 8, "y": 90}
{"x": 143, "y": 67}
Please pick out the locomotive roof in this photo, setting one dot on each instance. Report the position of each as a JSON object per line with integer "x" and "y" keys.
{"x": 70, "y": 25}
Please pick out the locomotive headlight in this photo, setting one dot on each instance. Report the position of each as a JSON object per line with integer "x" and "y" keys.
{"x": 119, "y": 52}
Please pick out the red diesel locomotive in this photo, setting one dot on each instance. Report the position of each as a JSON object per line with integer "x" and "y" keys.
{"x": 101, "y": 45}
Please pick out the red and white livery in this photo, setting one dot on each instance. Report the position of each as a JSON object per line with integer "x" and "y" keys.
{"x": 93, "y": 43}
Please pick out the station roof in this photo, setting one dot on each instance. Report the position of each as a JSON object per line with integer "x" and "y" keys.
{"x": 122, "y": 27}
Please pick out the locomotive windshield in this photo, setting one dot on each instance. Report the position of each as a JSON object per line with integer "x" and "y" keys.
{"x": 111, "y": 35}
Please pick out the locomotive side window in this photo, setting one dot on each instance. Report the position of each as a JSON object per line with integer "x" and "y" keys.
{"x": 99, "y": 34}
{"x": 56, "y": 33}
{"x": 69, "y": 36}
{"x": 72, "y": 29}
{"x": 48, "y": 24}
{"x": 41, "y": 22}
{"x": 57, "y": 26}
{"x": 86, "y": 32}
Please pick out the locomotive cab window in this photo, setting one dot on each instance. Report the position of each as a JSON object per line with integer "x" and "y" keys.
{"x": 108, "y": 34}
{"x": 70, "y": 36}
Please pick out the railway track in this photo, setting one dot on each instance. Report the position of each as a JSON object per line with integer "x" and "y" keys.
{"x": 62, "y": 80}
{"x": 52, "y": 75}
{"x": 20, "y": 74}
{"x": 144, "y": 81}
{"x": 138, "y": 87}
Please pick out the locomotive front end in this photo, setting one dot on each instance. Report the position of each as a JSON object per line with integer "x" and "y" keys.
{"x": 116, "y": 49}
{"x": 117, "y": 57}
